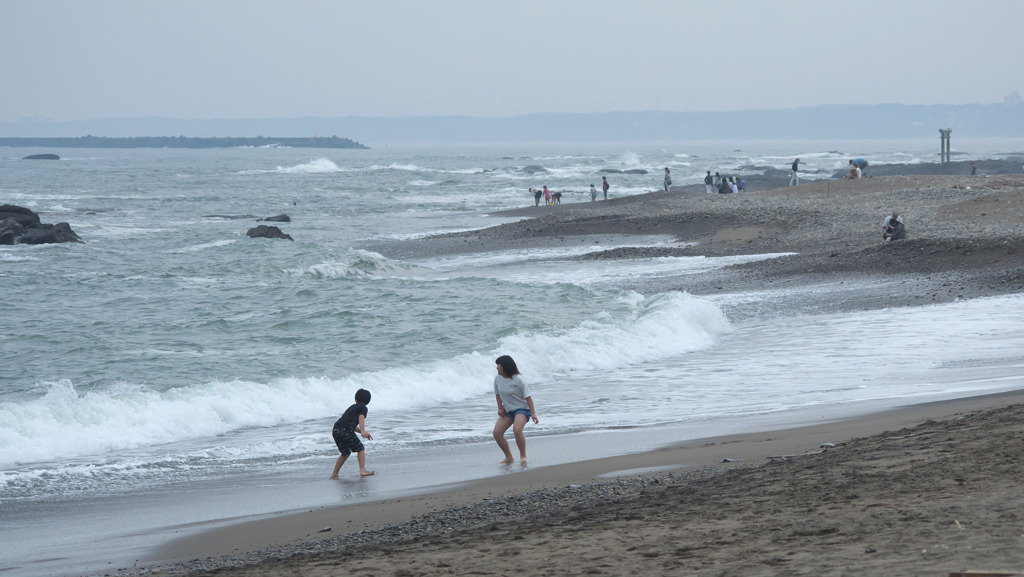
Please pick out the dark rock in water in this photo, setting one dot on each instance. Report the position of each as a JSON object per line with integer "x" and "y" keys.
{"x": 41, "y": 157}
{"x": 19, "y": 225}
{"x": 264, "y": 231}
{"x": 49, "y": 234}
{"x": 278, "y": 218}
{"x": 19, "y": 214}
{"x": 10, "y": 231}
{"x": 634, "y": 171}
{"x": 776, "y": 173}
{"x": 756, "y": 168}
{"x": 534, "y": 169}
{"x": 611, "y": 170}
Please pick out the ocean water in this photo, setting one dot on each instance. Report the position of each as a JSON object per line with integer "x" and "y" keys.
{"x": 171, "y": 349}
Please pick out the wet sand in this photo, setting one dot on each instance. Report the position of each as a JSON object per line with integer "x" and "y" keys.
{"x": 923, "y": 490}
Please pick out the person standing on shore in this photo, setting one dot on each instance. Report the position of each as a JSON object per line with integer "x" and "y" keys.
{"x": 668, "y": 179}
{"x": 716, "y": 181}
{"x": 605, "y": 186}
{"x": 536, "y": 192}
{"x": 515, "y": 407}
{"x": 547, "y": 196}
{"x": 709, "y": 183}
{"x": 974, "y": 169}
{"x": 351, "y": 422}
{"x": 593, "y": 193}
{"x": 794, "y": 178}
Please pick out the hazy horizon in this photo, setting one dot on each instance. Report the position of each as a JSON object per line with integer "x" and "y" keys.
{"x": 231, "y": 59}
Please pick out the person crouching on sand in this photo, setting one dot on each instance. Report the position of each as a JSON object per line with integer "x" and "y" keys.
{"x": 515, "y": 407}
{"x": 351, "y": 422}
{"x": 892, "y": 228}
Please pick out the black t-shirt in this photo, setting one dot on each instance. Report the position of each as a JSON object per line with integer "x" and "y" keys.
{"x": 350, "y": 420}
{"x": 709, "y": 179}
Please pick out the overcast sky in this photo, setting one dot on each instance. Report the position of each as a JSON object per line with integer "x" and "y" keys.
{"x": 207, "y": 59}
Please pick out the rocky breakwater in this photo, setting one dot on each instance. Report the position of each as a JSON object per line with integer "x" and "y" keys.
{"x": 19, "y": 225}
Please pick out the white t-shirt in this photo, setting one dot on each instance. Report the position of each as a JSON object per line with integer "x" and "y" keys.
{"x": 513, "y": 392}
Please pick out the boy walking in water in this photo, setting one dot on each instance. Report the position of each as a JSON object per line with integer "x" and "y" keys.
{"x": 345, "y": 429}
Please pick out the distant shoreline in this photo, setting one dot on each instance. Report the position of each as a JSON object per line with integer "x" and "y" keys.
{"x": 180, "y": 142}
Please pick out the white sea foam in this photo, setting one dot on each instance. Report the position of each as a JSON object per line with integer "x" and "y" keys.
{"x": 9, "y": 256}
{"x": 204, "y": 246}
{"x": 356, "y": 263}
{"x": 316, "y": 166}
{"x": 397, "y": 166}
{"x": 65, "y": 422}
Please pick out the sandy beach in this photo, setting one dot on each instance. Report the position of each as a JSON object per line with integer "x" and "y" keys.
{"x": 922, "y": 490}
{"x": 932, "y": 490}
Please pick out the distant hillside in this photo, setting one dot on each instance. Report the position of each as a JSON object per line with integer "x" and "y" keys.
{"x": 178, "y": 142}
{"x": 818, "y": 122}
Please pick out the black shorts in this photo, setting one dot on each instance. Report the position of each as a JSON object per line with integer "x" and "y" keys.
{"x": 347, "y": 441}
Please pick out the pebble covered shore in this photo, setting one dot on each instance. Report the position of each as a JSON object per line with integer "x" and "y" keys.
{"x": 923, "y": 500}
{"x": 965, "y": 240}
{"x": 965, "y": 236}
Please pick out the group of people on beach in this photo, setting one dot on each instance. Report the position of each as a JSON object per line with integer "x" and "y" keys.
{"x": 555, "y": 198}
{"x": 723, "y": 184}
{"x": 857, "y": 168}
{"x": 550, "y": 198}
{"x": 515, "y": 409}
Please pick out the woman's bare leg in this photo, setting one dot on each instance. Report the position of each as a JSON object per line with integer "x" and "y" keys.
{"x": 517, "y": 430}
{"x": 500, "y": 427}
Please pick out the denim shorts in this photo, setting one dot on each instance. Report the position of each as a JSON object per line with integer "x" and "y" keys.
{"x": 512, "y": 415}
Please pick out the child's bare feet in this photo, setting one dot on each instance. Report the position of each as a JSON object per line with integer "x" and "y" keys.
{"x": 366, "y": 473}
{"x": 522, "y": 460}
{"x": 332, "y": 477}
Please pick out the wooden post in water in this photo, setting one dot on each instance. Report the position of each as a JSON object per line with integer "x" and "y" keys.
{"x": 945, "y": 152}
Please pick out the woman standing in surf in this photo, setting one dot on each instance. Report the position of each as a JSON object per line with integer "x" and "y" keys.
{"x": 515, "y": 407}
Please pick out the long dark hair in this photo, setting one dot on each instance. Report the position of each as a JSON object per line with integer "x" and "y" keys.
{"x": 508, "y": 366}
